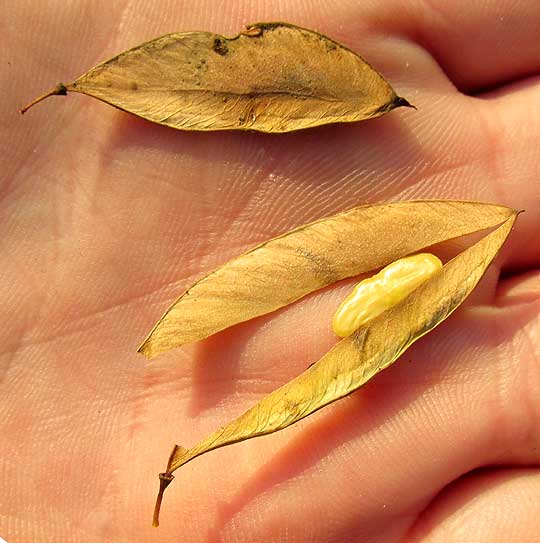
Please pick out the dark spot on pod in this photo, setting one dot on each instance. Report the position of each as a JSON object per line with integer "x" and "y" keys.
{"x": 220, "y": 47}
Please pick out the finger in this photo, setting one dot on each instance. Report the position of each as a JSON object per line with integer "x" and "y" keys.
{"x": 478, "y": 44}
{"x": 513, "y": 163}
{"x": 487, "y": 506}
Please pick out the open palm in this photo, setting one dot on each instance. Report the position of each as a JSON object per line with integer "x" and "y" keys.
{"x": 106, "y": 218}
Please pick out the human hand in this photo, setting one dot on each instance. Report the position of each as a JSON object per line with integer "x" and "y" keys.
{"x": 106, "y": 218}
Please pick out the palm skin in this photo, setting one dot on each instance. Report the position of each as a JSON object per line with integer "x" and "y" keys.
{"x": 106, "y": 218}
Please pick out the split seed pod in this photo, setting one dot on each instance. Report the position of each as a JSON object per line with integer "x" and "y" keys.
{"x": 273, "y": 77}
{"x": 284, "y": 269}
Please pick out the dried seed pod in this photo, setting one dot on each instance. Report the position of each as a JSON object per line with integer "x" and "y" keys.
{"x": 273, "y": 77}
{"x": 286, "y": 268}
{"x": 374, "y": 346}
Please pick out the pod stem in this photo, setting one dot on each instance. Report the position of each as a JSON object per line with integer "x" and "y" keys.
{"x": 59, "y": 90}
{"x": 165, "y": 480}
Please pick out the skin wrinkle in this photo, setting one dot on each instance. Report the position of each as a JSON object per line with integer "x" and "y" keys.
{"x": 44, "y": 339}
{"x": 419, "y": 520}
{"x": 527, "y": 401}
{"x": 531, "y": 399}
{"x": 499, "y": 388}
{"x": 426, "y": 508}
{"x": 6, "y": 365}
{"x": 10, "y": 346}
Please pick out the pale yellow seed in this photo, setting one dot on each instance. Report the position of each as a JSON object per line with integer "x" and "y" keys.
{"x": 387, "y": 288}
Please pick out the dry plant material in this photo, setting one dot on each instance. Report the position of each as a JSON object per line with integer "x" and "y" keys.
{"x": 353, "y": 240}
{"x": 284, "y": 269}
{"x": 273, "y": 77}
